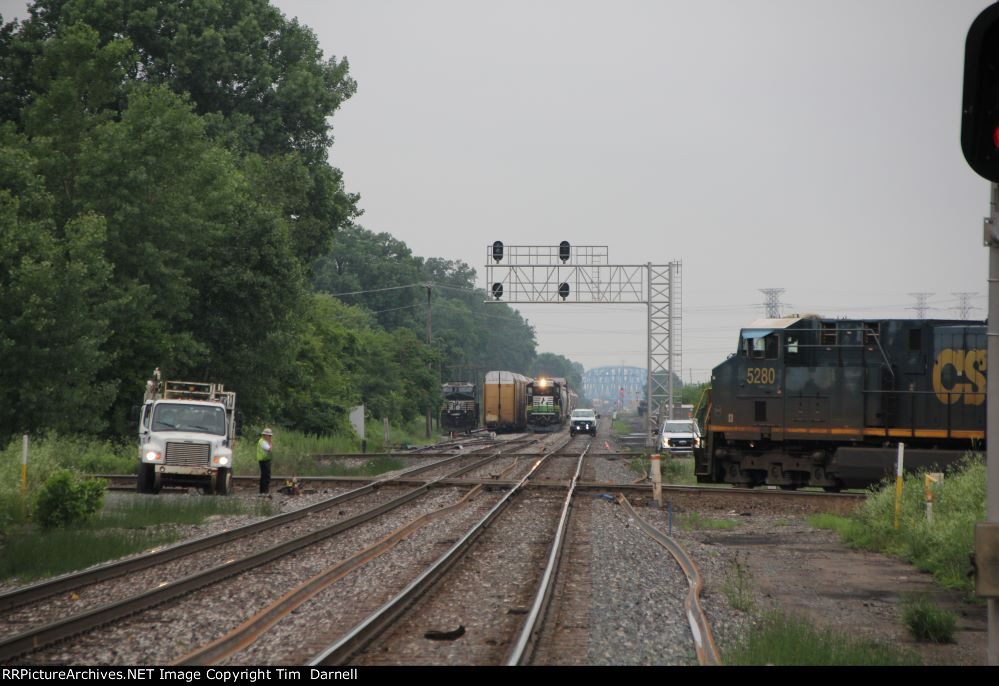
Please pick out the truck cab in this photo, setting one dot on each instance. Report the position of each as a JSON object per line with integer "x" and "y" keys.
{"x": 186, "y": 436}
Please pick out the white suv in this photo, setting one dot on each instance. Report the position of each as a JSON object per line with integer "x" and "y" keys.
{"x": 583, "y": 421}
{"x": 679, "y": 436}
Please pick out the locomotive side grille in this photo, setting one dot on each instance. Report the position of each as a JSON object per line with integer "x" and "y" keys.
{"x": 461, "y": 406}
{"x": 187, "y": 454}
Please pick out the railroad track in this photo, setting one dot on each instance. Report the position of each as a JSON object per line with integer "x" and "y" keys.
{"x": 391, "y": 634}
{"x": 46, "y": 633}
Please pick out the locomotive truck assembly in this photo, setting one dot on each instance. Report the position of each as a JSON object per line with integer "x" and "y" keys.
{"x": 806, "y": 401}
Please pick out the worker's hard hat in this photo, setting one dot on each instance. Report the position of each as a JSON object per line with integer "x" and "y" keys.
{"x": 266, "y": 432}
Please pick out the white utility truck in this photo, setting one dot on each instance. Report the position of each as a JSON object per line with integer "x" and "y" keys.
{"x": 187, "y": 432}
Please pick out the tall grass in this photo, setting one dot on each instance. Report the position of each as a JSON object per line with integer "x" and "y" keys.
{"x": 785, "y": 640}
{"x": 46, "y": 454}
{"x": 129, "y": 523}
{"x": 941, "y": 547}
{"x": 294, "y": 452}
{"x": 926, "y": 621}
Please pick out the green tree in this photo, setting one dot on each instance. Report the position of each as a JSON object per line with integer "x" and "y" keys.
{"x": 53, "y": 305}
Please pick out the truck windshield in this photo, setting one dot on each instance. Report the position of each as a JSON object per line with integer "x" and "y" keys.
{"x": 197, "y": 418}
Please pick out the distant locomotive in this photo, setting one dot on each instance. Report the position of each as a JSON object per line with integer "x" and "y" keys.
{"x": 504, "y": 396}
{"x": 460, "y": 412}
{"x": 822, "y": 402}
{"x": 549, "y": 403}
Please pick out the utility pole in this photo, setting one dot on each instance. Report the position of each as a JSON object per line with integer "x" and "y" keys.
{"x": 430, "y": 365}
{"x": 992, "y": 409}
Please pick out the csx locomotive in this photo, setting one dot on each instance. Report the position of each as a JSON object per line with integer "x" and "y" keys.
{"x": 807, "y": 401}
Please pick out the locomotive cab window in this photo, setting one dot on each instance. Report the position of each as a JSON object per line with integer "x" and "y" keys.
{"x": 828, "y": 334}
{"x": 759, "y": 345}
{"x": 915, "y": 339}
{"x": 792, "y": 349}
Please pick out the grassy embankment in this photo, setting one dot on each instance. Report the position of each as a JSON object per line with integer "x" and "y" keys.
{"x": 132, "y": 523}
{"x": 941, "y": 547}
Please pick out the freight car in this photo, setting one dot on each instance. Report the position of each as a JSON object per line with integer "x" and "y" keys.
{"x": 548, "y": 403}
{"x": 504, "y": 396}
{"x": 460, "y": 411}
{"x": 807, "y": 401}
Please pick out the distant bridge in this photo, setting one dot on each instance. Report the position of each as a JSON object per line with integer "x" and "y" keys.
{"x": 615, "y": 383}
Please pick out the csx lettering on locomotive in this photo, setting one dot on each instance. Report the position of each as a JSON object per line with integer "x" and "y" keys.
{"x": 953, "y": 365}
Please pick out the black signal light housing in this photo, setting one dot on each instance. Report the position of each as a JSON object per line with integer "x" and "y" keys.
{"x": 980, "y": 106}
{"x": 564, "y": 251}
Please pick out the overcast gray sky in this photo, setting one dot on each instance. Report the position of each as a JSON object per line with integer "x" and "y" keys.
{"x": 805, "y": 145}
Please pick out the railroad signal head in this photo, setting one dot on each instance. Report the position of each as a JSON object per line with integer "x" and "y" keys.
{"x": 563, "y": 290}
{"x": 497, "y": 290}
{"x": 980, "y": 112}
{"x": 498, "y": 250}
{"x": 564, "y": 251}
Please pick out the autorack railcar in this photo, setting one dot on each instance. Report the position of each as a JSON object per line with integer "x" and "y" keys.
{"x": 460, "y": 412}
{"x": 807, "y": 401}
{"x": 504, "y": 396}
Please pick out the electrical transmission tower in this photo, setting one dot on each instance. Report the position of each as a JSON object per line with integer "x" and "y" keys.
{"x": 920, "y": 307}
{"x": 772, "y": 304}
{"x": 964, "y": 306}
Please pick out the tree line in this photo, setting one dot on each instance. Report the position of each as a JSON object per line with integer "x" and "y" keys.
{"x": 166, "y": 200}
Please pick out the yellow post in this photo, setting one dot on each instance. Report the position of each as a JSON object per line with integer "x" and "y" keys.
{"x": 898, "y": 486}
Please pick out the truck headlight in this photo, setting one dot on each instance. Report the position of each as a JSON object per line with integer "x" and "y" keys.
{"x": 223, "y": 460}
{"x": 153, "y": 456}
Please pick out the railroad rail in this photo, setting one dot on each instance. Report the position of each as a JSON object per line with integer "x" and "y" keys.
{"x": 37, "y": 637}
{"x": 376, "y": 623}
{"x": 20, "y": 596}
{"x": 700, "y": 628}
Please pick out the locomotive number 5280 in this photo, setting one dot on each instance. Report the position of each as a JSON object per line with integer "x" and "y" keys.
{"x": 761, "y": 375}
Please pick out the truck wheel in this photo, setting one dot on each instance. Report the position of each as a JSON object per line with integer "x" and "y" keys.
{"x": 223, "y": 482}
{"x": 144, "y": 481}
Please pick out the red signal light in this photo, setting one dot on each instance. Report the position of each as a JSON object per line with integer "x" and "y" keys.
{"x": 995, "y": 136}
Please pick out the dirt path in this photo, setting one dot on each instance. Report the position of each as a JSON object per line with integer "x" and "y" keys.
{"x": 808, "y": 572}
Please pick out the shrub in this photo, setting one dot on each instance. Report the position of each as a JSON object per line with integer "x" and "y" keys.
{"x": 926, "y": 621}
{"x": 66, "y": 499}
